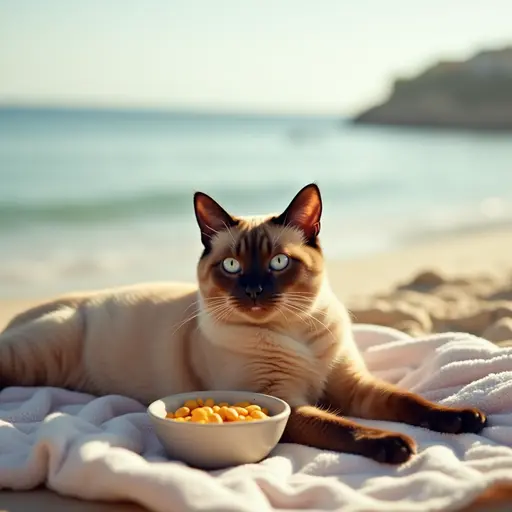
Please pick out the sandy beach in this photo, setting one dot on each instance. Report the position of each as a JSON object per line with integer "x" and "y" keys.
{"x": 458, "y": 283}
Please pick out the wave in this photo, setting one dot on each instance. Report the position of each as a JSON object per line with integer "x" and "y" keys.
{"x": 97, "y": 210}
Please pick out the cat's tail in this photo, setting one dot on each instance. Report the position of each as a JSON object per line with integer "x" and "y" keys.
{"x": 43, "y": 350}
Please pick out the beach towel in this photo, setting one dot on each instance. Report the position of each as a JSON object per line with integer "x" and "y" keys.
{"x": 105, "y": 448}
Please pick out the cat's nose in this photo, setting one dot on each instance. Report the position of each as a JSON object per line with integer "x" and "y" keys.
{"x": 253, "y": 291}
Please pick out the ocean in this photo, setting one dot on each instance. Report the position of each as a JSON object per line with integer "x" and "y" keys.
{"x": 102, "y": 198}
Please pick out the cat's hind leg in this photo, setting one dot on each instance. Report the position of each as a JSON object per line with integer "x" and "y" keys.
{"x": 43, "y": 351}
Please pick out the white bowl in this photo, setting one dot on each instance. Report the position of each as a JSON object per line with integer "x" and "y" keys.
{"x": 215, "y": 446}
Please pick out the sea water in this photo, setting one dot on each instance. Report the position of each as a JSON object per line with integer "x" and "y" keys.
{"x": 96, "y": 198}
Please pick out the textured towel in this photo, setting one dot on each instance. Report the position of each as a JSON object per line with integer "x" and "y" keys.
{"x": 105, "y": 448}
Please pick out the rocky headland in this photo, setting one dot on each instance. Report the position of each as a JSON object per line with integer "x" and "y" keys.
{"x": 473, "y": 94}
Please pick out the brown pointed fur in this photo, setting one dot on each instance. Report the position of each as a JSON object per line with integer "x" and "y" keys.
{"x": 148, "y": 341}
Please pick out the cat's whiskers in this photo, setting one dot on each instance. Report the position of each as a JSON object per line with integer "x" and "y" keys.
{"x": 206, "y": 300}
{"x": 309, "y": 315}
{"x": 286, "y": 320}
{"x": 300, "y": 295}
{"x": 223, "y": 315}
{"x": 194, "y": 315}
{"x": 299, "y": 313}
{"x": 305, "y": 301}
{"x": 223, "y": 312}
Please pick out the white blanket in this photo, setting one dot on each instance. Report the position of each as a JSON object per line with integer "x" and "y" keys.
{"x": 104, "y": 448}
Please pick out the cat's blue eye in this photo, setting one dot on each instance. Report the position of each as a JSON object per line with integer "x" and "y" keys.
{"x": 279, "y": 262}
{"x": 231, "y": 265}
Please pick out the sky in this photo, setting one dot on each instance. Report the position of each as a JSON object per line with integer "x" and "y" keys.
{"x": 323, "y": 56}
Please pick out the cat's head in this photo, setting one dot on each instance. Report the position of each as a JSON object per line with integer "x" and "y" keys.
{"x": 254, "y": 269}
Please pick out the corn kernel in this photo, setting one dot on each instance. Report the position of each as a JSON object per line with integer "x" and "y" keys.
{"x": 199, "y": 414}
{"x": 200, "y": 402}
{"x": 216, "y": 408}
{"x": 209, "y": 402}
{"x": 231, "y": 414}
{"x": 258, "y": 415}
{"x": 191, "y": 404}
{"x": 241, "y": 411}
{"x": 182, "y": 412}
{"x": 251, "y": 408}
{"x": 207, "y": 410}
{"x": 242, "y": 404}
{"x": 179, "y": 419}
{"x": 264, "y": 410}
{"x": 215, "y": 418}
{"x": 222, "y": 412}
{"x": 170, "y": 415}
{"x": 223, "y": 404}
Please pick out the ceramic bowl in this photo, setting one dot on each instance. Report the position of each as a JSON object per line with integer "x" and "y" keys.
{"x": 215, "y": 446}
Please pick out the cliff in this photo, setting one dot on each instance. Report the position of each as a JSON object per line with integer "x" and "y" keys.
{"x": 471, "y": 94}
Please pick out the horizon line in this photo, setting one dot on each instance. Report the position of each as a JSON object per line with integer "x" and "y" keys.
{"x": 186, "y": 111}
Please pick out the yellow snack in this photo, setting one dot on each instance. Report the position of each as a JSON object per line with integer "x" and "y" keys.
{"x": 182, "y": 412}
{"x": 222, "y": 412}
{"x": 191, "y": 404}
{"x": 215, "y": 418}
{"x": 199, "y": 414}
{"x": 258, "y": 415}
{"x": 231, "y": 414}
{"x": 207, "y": 411}
{"x": 242, "y": 404}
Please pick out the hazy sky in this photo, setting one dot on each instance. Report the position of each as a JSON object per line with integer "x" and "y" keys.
{"x": 274, "y": 55}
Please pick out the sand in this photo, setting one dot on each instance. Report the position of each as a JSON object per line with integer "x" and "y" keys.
{"x": 457, "y": 283}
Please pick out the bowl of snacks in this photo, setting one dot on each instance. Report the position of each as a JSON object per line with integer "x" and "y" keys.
{"x": 217, "y": 429}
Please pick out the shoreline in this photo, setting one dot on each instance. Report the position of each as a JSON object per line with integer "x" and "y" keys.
{"x": 463, "y": 256}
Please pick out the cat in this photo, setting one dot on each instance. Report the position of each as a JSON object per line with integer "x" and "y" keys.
{"x": 261, "y": 318}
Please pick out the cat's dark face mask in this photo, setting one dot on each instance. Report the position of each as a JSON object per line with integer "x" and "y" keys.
{"x": 256, "y": 268}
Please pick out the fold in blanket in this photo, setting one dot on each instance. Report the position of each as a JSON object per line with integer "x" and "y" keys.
{"x": 104, "y": 448}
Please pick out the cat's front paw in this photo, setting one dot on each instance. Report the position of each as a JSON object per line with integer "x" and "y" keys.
{"x": 389, "y": 447}
{"x": 455, "y": 421}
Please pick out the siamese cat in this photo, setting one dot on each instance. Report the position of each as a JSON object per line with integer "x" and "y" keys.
{"x": 261, "y": 318}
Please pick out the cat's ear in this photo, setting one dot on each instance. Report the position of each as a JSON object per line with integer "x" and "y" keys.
{"x": 304, "y": 212}
{"x": 211, "y": 217}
